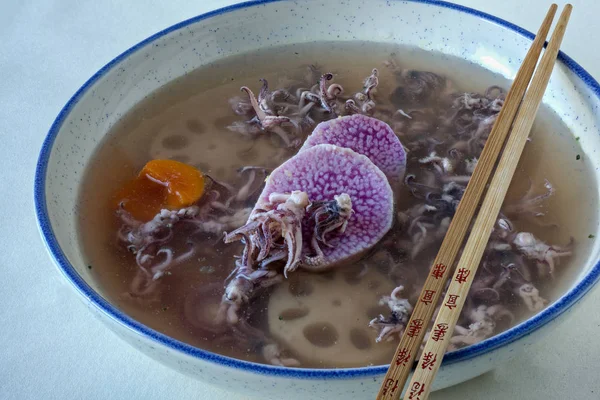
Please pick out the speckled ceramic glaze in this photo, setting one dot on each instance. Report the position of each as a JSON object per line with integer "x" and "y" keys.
{"x": 431, "y": 25}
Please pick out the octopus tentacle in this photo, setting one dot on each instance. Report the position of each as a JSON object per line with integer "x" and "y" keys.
{"x": 279, "y": 221}
{"x": 400, "y": 310}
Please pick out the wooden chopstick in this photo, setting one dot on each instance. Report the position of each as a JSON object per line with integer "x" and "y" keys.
{"x": 412, "y": 338}
{"x": 435, "y": 348}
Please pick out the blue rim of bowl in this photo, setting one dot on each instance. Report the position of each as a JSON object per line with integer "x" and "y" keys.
{"x": 511, "y": 335}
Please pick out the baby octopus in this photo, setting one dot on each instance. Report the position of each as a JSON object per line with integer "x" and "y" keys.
{"x": 323, "y": 207}
{"x": 400, "y": 308}
{"x": 266, "y": 118}
{"x": 290, "y": 112}
{"x": 153, "y": 242}
{"x": 543, "y": 254}
{"x": 445, "y": 132}
{"x": 274, "y": 233}
{"x": 363, "y": 102}
{"x": 327, "y": 95}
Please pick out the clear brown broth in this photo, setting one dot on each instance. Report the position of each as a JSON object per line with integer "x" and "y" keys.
{"x": 195, "y": 108}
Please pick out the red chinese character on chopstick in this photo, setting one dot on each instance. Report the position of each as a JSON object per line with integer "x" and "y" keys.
{"x": 439, "y": 331}
{"x": 451, "y": 302}
{"x": 415, "y": 327}
{"x": 427, "y": 297}
{"x": 429, "y": 360}
{"x": 390, "y": 385}
{"x": 438, "y": 271}
{"x": 403, "y": 357}
{"x": 416, "y": 390}
{"x": 462, "y": 275}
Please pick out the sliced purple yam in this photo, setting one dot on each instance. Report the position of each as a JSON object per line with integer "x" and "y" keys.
{"x": 324, "y": 171}
{"x": 365, "y": 135}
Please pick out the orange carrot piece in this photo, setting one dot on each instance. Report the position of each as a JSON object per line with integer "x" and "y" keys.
{"x": 185, "y": 184}
{"x": 142, "y": 198}
{"x": 161, "y": 184}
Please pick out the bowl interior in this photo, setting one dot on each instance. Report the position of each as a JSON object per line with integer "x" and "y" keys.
{"x": 132, "y": 76}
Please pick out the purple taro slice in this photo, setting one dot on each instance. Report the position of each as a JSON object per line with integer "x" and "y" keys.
{"x": 365, "y": 135}
{"x": 324, "y": 171}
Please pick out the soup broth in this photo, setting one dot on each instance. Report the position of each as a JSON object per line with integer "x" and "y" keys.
{"x": 307, "y": 315}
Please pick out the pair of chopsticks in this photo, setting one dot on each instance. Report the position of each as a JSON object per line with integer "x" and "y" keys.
{"x": 518, "y": 112}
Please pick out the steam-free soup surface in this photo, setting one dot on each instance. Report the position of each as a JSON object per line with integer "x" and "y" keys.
{"x": 188, "y": 119}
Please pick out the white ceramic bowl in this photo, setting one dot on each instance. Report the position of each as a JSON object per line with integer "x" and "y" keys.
{"x": 437, "y": 26}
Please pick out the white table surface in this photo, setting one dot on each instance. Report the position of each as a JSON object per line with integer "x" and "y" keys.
{"x": 50, "y": 346}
